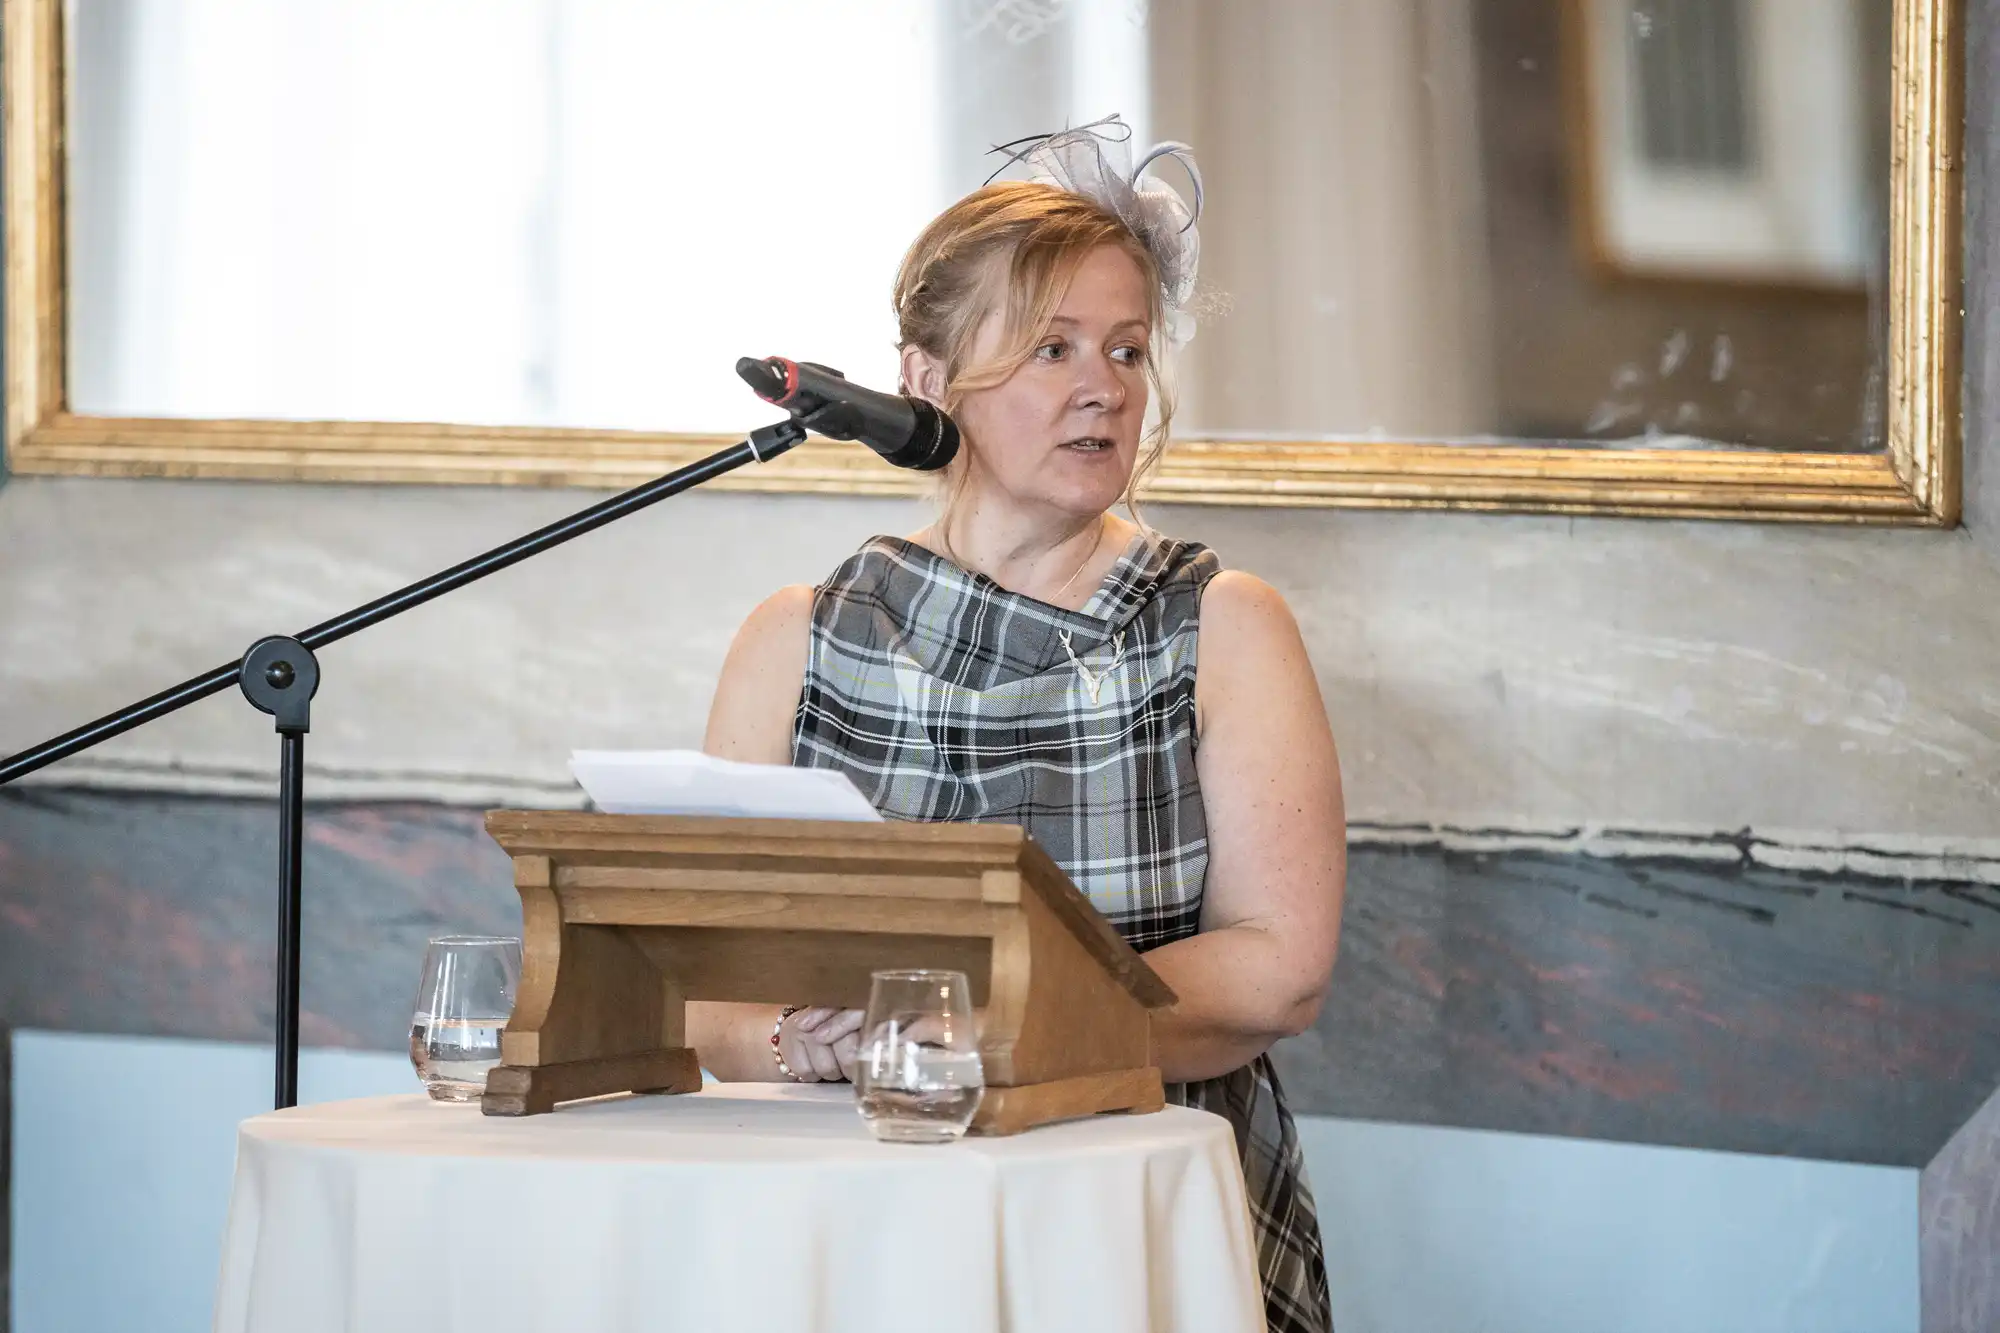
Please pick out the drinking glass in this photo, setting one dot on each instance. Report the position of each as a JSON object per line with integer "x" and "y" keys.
{"x": 463, "y": 1004}
{"x": 918, "y": 1078}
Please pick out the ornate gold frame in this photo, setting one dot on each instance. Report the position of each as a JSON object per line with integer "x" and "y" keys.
{"x": 1915, "y": 482}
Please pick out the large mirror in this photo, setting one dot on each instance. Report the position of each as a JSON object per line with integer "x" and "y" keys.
{"x": 1644, "y": 256}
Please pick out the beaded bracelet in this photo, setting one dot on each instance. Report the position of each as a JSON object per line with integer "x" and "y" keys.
{"x": 783, "y": 1068}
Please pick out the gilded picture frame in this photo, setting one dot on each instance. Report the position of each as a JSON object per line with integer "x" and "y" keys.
{"x": 1915, "y": 481}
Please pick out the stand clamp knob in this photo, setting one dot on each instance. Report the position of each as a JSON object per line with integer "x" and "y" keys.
{"x": 280, "y": 676}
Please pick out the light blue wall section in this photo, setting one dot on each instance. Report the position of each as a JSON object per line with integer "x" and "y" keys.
{"x": 1466, "y": 1231}
{"x": 123, "y": 1149}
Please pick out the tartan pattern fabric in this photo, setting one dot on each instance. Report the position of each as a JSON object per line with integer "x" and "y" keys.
{"x": 945, "y": 697}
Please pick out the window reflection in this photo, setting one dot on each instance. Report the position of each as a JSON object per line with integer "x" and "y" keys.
{"x": 1650, "y": 221}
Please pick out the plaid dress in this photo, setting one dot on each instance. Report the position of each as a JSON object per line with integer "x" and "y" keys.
{"x": 946, "y": 697}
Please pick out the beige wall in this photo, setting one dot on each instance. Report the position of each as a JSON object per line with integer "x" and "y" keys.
{"x": 1518, "y": 673}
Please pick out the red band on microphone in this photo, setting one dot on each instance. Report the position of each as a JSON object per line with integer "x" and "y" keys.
{"x": 791, "y": 380}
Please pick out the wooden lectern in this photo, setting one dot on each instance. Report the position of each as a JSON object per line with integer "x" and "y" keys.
{"x": 625, "y": 918}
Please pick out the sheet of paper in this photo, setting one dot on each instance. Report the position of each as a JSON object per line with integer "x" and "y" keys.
{"x": 688, "y": 782}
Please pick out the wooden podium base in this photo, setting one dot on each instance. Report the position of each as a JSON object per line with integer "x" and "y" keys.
{"x": 1011, "y": 1110}
{"x": 535, "y": 1090}
{"x": 516, "y": 1090}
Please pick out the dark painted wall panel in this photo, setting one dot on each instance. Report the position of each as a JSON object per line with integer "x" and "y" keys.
{"x": 1728, "y": 1008}
{"x": 1720, "y": 1008}
{"x": 158, "y": 914}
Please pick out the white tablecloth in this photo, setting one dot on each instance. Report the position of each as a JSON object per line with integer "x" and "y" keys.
{"x": 752, "y": 1207}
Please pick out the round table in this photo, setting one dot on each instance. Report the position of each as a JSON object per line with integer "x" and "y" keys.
{"x": 744, "y": 1206}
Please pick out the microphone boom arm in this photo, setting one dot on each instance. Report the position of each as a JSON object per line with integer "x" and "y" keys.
{"x": 280, "y": 675}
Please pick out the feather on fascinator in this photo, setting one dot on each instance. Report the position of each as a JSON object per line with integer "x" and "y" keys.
{"x": 1095, "y": 161}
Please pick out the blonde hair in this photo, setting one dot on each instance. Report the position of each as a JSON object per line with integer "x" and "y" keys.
{"x": 1032, "y": 237}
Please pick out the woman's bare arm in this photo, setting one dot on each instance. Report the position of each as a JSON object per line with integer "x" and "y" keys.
{"x": 1277, "y": 840}
{"x": 750, "y": 719}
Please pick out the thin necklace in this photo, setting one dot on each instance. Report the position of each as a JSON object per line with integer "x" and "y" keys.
{"x": 1088, "y": 556}
{"x": 1093, "y": 681}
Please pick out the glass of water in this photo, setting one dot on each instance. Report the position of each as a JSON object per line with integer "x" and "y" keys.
{"x": 463, "y": 1004}
{"x": 918, "y": 1078}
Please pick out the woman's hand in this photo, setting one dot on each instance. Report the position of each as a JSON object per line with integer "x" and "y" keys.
{"x": 821, "y": 1045}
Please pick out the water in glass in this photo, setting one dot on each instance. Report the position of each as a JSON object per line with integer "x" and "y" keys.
{"x": 463, "y": 1003}
{"x": 919, "y": 1079}
{"x": 457, "y": 1055}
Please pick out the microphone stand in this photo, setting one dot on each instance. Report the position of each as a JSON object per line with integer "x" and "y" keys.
{"x": 279, "y": 676}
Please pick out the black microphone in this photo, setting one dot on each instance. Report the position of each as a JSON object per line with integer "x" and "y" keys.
{"x": 908, "y": 432}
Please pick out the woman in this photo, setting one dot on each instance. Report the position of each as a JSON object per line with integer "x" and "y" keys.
{"x": 1031, "y": 657}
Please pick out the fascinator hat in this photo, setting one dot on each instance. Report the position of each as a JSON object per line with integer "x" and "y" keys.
{"x": 1095, "y": 161}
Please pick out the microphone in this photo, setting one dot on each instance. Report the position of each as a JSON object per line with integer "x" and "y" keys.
{"x": 907, "y": 432}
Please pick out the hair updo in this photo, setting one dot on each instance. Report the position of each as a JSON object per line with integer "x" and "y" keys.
{"x": 1014, "y": 247}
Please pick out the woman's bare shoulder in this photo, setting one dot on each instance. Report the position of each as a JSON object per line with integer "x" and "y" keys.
{"x": 1236, "y": 603}
{"x": 784, "y": 616}
{"x": 758, "y": 691}
{"x": 1252, "y": 653}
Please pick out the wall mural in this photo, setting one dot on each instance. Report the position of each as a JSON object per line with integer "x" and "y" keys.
{"x": 1652, "y": 1001}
